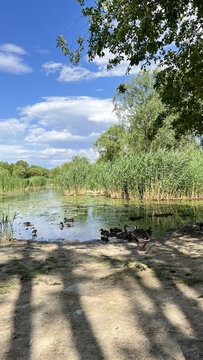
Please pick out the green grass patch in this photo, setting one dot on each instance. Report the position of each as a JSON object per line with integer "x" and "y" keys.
{"x": 129, "y": 268}
{"x": 119, "y": 262}
{"x": 163, "y": 274}
{"x": 7, "y": 287}
{"x": 16, "y": 268}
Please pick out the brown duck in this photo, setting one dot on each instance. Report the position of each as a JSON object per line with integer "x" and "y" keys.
{"x": 129, "y": 235}
{"x": 66, "y": 220}
{"x": 142, "y": 234}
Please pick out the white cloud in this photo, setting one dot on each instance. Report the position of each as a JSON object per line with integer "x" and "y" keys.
{"x": 39, "y": 136}
{"x": 11, "y": 60}
{"x": 12, "y": 153}
{"x": 49, "y": 157}
{"x": 58, "y": 156}
{"x": 11, "y": 128}
{"x": 70, "y": 112}
{"x": 12, "y": 48}
{"x": 54, "y": 130}
{"x": 51, "y": 67}
{"x": 73, "y": 74}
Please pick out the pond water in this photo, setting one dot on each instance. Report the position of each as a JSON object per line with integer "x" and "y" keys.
{"x": 45, "y": 209}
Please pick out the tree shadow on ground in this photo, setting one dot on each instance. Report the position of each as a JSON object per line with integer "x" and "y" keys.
{"x": 22, "y": 330}
{"x": 174, "y": 324}
{"x": 169, "y": 324}
{"x": 84, "y": 340}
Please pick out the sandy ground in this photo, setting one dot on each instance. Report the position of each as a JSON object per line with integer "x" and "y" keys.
{"x": 89, "y": 301}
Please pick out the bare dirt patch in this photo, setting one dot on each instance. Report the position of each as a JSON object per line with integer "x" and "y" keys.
{"x": 102, "y": 301}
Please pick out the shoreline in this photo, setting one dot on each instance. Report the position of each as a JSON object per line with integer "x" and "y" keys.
{"x": 103, "y": 194}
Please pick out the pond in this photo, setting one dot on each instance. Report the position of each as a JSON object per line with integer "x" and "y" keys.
{"x": 45, "y": 209}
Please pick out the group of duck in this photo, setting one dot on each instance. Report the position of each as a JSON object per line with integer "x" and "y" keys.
{"x": 67, "y": 222}
{"x": 34, "y": 231}
{"x": 135, "y": 235}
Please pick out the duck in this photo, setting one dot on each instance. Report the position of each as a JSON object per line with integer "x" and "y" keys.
{"x": 143, "y": 234}
{"x": 62, "y": 225}
{"x": 34, "y": 231}
{"x": 129, "y": 235}
{"x": 66, "y": 220}
{"x": 124, "y": 234}
{"x": 28, "y": 223}
{"x": 104, "y": 238}
{"x": 104, "y": 232}
{"x": 115, "y": 231}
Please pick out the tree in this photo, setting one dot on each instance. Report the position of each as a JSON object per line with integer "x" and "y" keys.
{"x": 139, "y": 108}
{"x": 36, "y": 170}
{"x": 55, "y": 172}
{"x": 111, "y": 143}
{"x": 80, "y": 160}
{"x": 144, "y": 118}
{"x": 166, "y": 31}
{"x": 6, "y": 166}
{"x": 21, "y": 171}
{"x": 22, "y": 163}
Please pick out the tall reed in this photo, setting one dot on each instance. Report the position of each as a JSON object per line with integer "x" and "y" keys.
{"x": 7, "y": 218}
{"x": 153, "y": 175}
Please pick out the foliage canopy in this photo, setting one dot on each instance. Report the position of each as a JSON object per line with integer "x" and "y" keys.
{"x": 139, "y": 109}
{"x": 168, "y": 32}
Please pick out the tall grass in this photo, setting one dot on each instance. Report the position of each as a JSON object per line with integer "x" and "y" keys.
{"x": 160, "y": 175}
{"x": 7, "y": 218}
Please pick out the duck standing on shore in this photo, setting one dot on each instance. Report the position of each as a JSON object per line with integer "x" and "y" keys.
{"x": 104, "y": 235}
{"x": 129, "y": 235}
{"x": 143, "y": 234}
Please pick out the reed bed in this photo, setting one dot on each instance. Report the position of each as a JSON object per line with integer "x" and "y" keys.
{"x": 151, "y": 176}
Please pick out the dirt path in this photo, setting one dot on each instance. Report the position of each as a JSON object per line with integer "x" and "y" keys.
{"x": 92, "y": 301}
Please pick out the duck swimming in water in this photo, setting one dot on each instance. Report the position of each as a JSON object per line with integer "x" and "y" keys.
{"x": 66, "y": 220}
{"x": 62, "y": 225}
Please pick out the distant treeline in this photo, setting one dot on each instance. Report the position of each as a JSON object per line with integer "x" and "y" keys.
{"x": 19, "y": 176}
{"x": 153, "y": 175}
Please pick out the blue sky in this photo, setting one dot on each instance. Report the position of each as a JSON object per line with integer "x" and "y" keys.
{"x": 50, "y": 110}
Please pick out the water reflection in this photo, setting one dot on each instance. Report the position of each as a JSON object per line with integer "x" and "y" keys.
{"x": 47, "y": 208}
